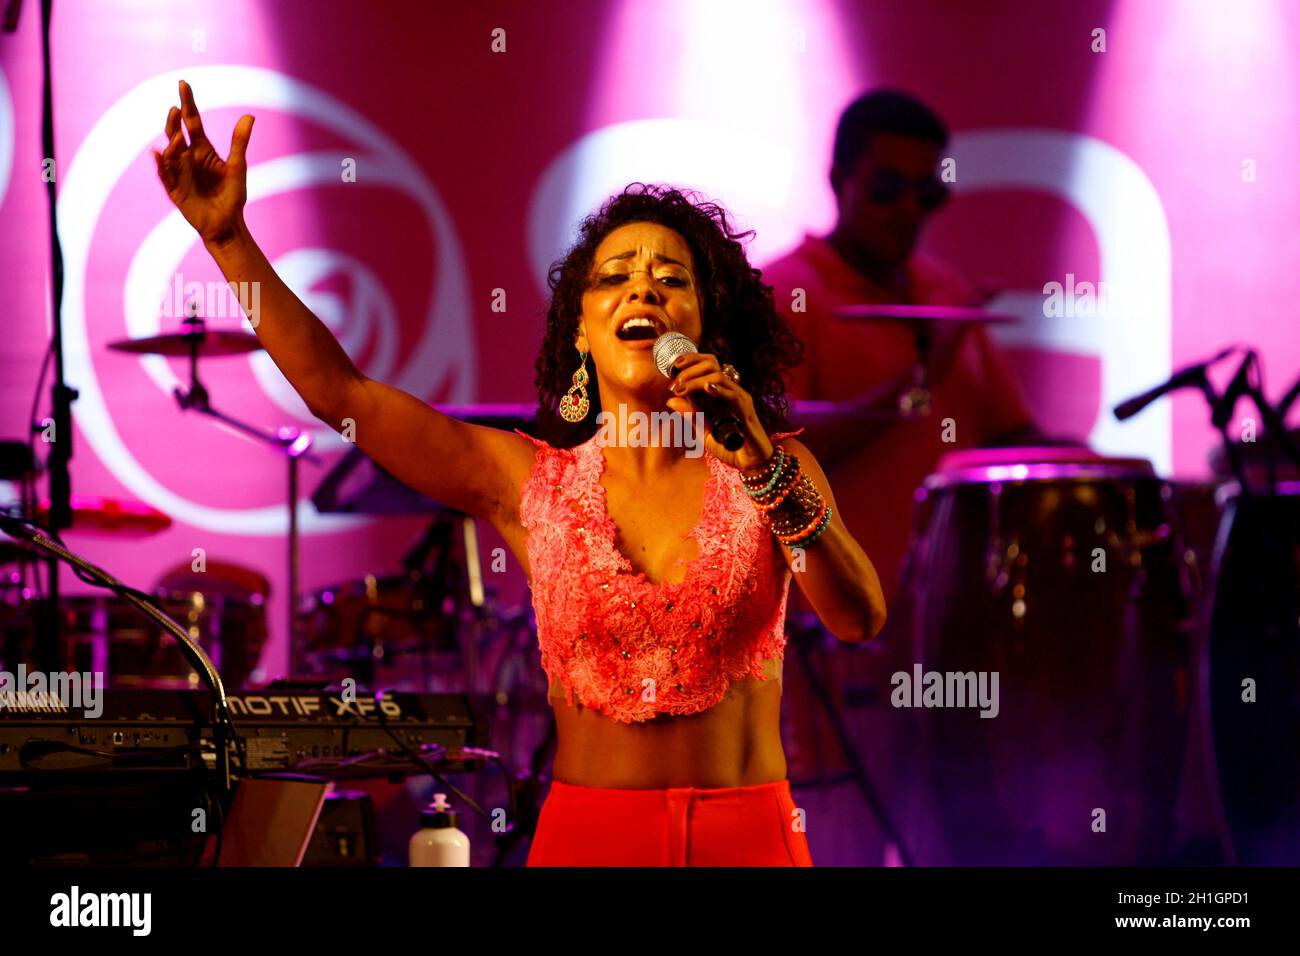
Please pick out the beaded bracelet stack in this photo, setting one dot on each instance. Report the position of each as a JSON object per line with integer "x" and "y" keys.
{"x": 784, "y": 492}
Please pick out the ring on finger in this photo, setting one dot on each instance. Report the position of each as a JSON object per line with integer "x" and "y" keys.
{"x": 729, "y": 370}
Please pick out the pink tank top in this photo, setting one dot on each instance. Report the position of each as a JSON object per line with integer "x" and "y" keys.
{"x": 623, "y": 645}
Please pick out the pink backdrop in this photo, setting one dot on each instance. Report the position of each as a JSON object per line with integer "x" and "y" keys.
{"x": 1124, "y": 166}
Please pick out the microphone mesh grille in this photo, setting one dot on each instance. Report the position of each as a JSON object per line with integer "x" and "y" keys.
{"x": 668, "y": 348}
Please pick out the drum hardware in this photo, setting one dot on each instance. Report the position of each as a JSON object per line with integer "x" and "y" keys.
{"x": 357, "y": 629}
{"x": 104, "y": 632}
{"x": 225, "y": 606}
{"x": 1195, "y": 511}
{"x": 293, "y": 443}
{"x": 805, "y": 632}
{"x": 437, "y": 599}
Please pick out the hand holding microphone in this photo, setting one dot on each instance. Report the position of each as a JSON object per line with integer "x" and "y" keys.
{"x": 735, "y": 436}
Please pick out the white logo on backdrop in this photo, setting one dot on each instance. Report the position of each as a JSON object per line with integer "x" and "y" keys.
{"x": 750, "y": 174}
{"x": 1123, "y": 209}
{"x": 119, "y": 139}
{"x": 6, "y": 135}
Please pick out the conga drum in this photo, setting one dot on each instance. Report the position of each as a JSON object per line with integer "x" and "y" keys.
{"x": 1052, "y": 640}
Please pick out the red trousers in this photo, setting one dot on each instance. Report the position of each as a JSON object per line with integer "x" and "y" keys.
{"x": 681, "y": 826}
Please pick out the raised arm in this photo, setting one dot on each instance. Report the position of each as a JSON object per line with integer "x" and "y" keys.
{"x": 475, "y": 469}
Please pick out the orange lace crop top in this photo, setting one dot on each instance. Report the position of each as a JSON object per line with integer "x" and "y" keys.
{"x": 623, "y": 645}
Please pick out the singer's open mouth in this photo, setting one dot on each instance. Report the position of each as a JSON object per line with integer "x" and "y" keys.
{"x": 635, "y": 331}
{"x": 637, "y": 328}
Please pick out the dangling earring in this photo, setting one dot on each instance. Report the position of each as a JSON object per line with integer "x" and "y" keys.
{"x": 574, "y": 407}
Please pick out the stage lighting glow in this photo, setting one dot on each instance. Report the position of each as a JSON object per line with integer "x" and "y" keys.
{"x": 735, "y": 99}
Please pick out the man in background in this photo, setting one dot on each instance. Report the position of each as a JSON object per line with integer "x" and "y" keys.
{"x": 885, "y": 175}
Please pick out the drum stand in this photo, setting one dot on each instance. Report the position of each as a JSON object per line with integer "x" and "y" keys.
{"x": 444, "y": 580}
{"x": 292, "y": 442}
{"x": 804, "y": 633}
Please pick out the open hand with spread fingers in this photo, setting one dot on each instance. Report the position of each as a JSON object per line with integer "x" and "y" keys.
{"x": 210, "y": 192}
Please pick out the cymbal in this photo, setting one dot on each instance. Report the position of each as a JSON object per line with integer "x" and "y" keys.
{"x": 922, "y": 314}
{"x": 815, "y": 411}
{"x": 214, "y": 342}
{"x": 109, "y": 516}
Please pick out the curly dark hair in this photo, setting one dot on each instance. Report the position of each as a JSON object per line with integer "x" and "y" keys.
{"x": 740, "y": 321}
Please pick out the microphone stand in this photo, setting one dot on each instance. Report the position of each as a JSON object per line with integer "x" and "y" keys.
{"x": 1276, "y": 440}
{"x": 48, "y": 650}
{"x": 1195, "y": 377}
{"x": 1284, "y": 406}
{"x": 1222, "y": 406}
{"x": 1219, "y": 415}
{"x": 1275, "y": 427}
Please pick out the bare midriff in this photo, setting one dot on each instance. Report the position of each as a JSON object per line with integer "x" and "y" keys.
{"x": 735, "y": 743}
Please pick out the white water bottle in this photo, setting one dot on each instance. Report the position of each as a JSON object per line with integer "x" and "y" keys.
{"x": 438, "y": 842}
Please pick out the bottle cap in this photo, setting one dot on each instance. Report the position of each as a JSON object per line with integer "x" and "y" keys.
{"x": 439, "y": 815}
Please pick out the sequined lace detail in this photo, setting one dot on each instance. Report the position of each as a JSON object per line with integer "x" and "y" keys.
{"x": 622, "y": 644}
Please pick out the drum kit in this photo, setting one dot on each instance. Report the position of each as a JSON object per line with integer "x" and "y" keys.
{"x": 430, "y": 625}
{"x": 1125, "y": 617}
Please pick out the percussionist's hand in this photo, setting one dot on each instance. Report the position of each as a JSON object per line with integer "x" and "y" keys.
{"x": 209, "y": 191}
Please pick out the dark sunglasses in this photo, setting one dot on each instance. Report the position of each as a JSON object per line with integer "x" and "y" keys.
{"x": 887, "y": 186}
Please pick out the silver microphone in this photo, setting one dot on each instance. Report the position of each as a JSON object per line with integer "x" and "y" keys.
{"x": 726, "y": 429}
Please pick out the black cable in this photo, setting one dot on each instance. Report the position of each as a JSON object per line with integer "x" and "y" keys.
{"x": 173, "y": 847}
{"x": 419, "y": 760}
{"x": 124, "y": 755}
{"x": 510, "y": 788}
{"x": 416, "y": 758}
